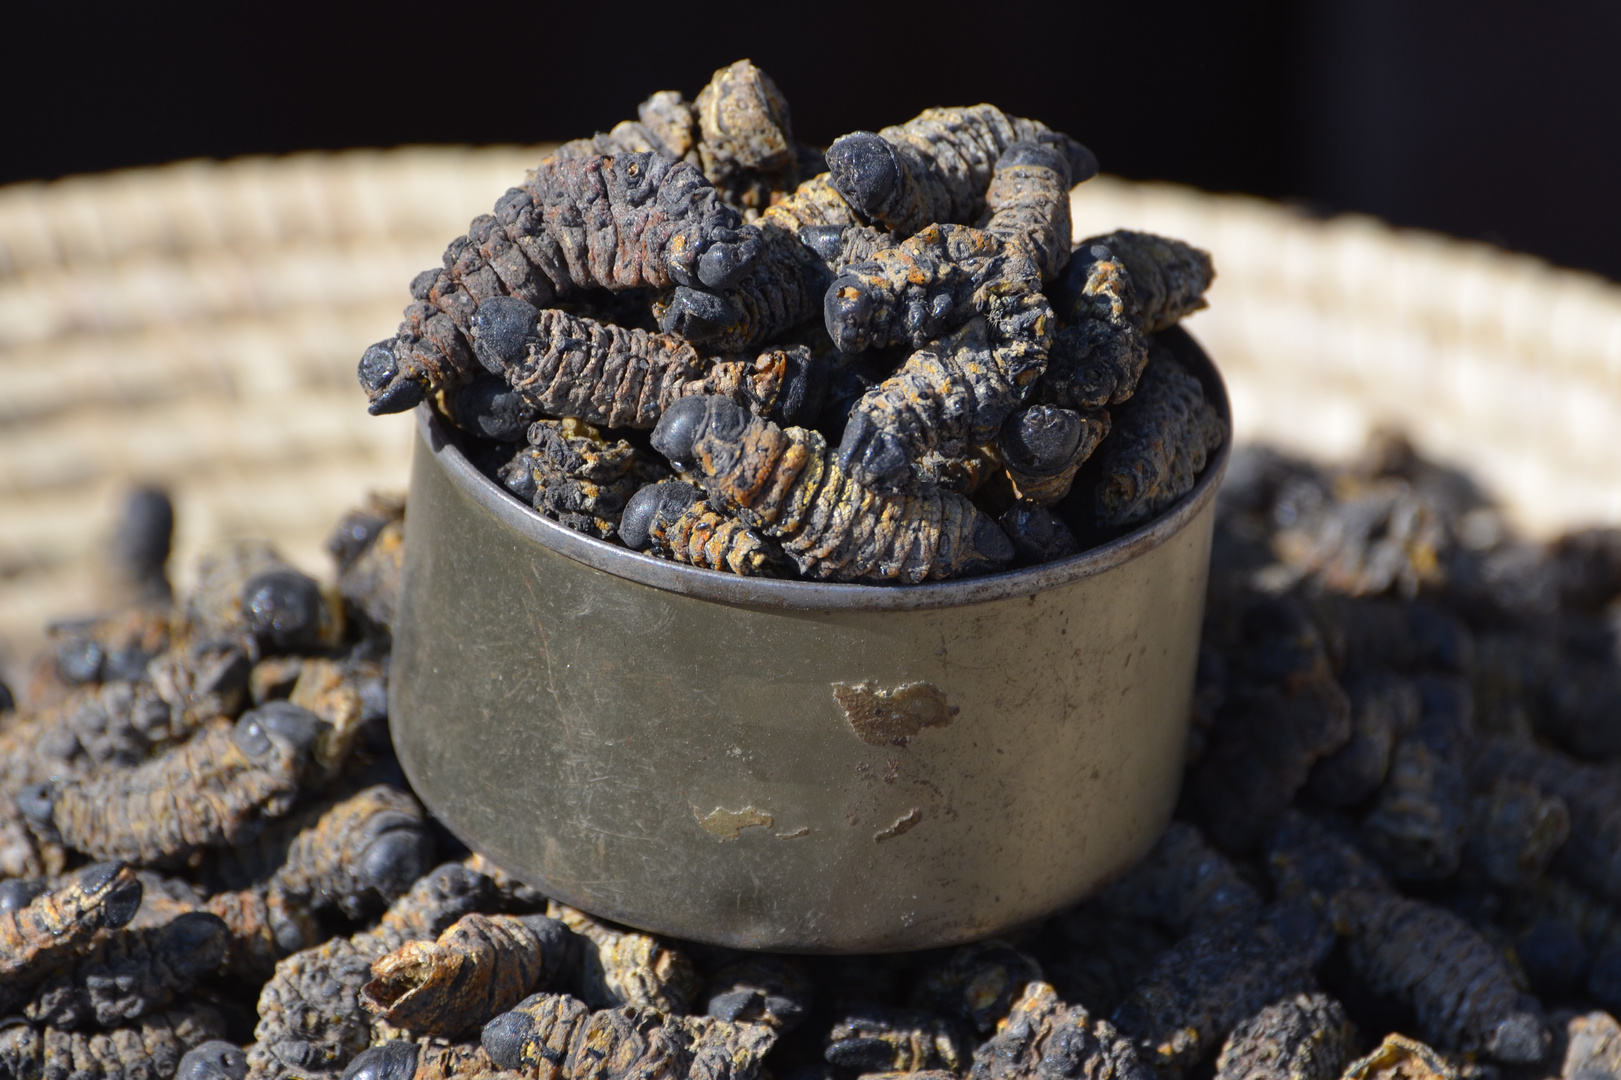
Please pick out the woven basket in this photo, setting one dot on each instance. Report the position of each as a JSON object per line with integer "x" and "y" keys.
{"x": 197, "y": 325}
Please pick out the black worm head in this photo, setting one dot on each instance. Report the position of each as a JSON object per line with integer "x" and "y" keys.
{"x": 679, "y": 429}
{"x": 1039, "y": 154}
{"x": 991, "y": 543}
{"x": 393, "y": 1060}
{"x": 18, "y": 893}
{"x": 80, "y": 660}
{"x": 697, "y": 315}
{"x": 259, "y": 730}
{"x": 195, "y": 943}
{"x": 388, "y": 389}
{"x": 874, "y": 457}
{"x": 559, "y": 945}
{"x": 488, "y": 407}
{"x": 118, "y": 906}
{"x": 38, "y": 803}
{"x": 826, "y": 240}
{"x": 1037, "y": 535}
{"x": 390, "y": 863}
{"x": 736, "y": 1005}
{"x": 1042, "y": 440}
{"x": 504, "y": 1037}
{"x": 724, "y": 263}
{"x": 864, "y": 170}
{"x": 213, "y": 1060}
{"x": 1520, "y": 1040}
{"x": 803, "y": 391}
{"x": 283, "y": 608}
{"x": 847, "y": 310}
{"x": 655, "y": 501}
{"x": 1083, "y": 164}
{"x": 501, "y": 330}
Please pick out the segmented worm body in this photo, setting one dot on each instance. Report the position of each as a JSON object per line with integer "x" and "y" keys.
{"x": 635, "y": 220}
{"x": 1161, "y": 441}
{"x": 937, "y": 166}
{"x": 674, "y": 521}
{"x": 784, "y": 483}
{"x": 46, "y": 933}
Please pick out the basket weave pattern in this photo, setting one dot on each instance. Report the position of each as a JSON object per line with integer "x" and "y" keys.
{"x": 197, "y": 325}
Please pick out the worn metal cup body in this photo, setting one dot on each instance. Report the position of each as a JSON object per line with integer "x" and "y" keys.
{"x": 788, "y": 765}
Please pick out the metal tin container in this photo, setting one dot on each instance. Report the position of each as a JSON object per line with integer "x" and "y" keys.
{"x": 789, "y": 765}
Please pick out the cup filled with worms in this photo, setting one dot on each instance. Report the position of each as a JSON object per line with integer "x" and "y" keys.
{"x": 1395, "y": 851}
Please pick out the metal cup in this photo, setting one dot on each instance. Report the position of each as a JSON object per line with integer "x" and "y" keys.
{"x": 789, "y": 765}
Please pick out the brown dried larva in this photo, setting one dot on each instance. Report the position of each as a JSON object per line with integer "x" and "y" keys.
{"x": 557, "y": 1037}
{"x": 673, "y": 521}
{"x": 635, "y": 220}
{"x": 573, "y": 474}
{"x": 1168, "y": 277}
{"x": 1514, "y": 832}
{"x": 1592, "y": 854}
{"x": 1307, "y": 1037}
{"x": 214, "y": 790}
{"x": 1182, "y": 883}
{"x": 368, "y": 547}
{"x": 573, "y": 366}
{"x": 1592, "y": 1048}
{"x": 480, "y": 966}
{"x": 958, "y": 391}
{"x": 1401, "y": 1058}
{"x": 1042, "y": 447}
{"x": 1283, "y": 713}
{"x": 311, "y": 1021}
{"x": 1161, "y": 441}
{"x": 1420, "y": 819}
{"x": 1098, "y": 354}
{"x": 1456, "y": 983}
{"x": 115, "y": 646}
{"x": 1370, "y": 539}
{"x": 246, "y": 592}
{"x": 784, "y": 483}
{"x": 759, "y": 989}
{"x": 150, "y": 1047}
{"x": 1044, "y": 1037}
{"x": 937, "y": 166}
{"x": 879, "y": 1038}
{"x": 42, "y": 936}
{"x": 627, "y": 967}
{"x": 1384, "y": 707}
{"x": 1199, "y": 990}
{"x": 130, "y": 973}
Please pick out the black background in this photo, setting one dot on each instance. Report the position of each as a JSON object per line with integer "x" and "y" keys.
{"x": 1481, "y": 118}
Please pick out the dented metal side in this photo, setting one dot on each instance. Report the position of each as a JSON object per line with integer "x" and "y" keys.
{"x": 637, "y": 745}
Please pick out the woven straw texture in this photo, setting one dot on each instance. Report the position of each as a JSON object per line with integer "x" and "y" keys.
{"x": 197, "y": 326}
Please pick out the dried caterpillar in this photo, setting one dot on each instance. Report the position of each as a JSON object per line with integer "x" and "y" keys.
{"x": 1161, "y": 441}
{"x": 570, "y": 366}
{"x": 310, "y": 1017}
{"x": 673, "y": 521}
{"x": 50, "y": 927}
{"x": 937, "y": 166}
{"x": 957, "y": 393}
{"x": 1115, "y": 291}
{"x": 635, "y": 220}
{"x": 216, "y": 789}
{"x": 1043, "y": 1036}
{"x": 130, "y": 973}
{"x": 480, "y": 966}
{"x": 554, "y": 1036}
{"x": 571, "y": 473}
{"x": 783, "y": 483}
